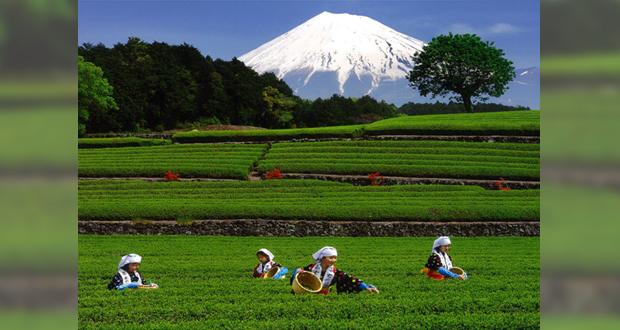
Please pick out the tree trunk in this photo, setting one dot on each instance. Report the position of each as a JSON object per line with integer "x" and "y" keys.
{"x": 467, "y": 103}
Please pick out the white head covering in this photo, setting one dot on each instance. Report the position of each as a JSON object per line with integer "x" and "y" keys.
{"x": 443, "y": 240}
{"x": 129, "y": 259}
{"x": 267, "y": 253}
{"x": 326, "y": 251}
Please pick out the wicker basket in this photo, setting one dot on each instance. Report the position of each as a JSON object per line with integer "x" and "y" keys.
{"x": 457, "y": 270}
{"x": 272, "y": 272}
{"x": 306, "y": 282}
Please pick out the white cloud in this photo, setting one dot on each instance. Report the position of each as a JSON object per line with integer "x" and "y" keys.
{"x": 460, "y": 28}
{"x": 503, "y": 28}
{"x": 495, "y": 29}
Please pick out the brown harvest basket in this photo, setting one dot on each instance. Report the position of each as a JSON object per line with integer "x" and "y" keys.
{"x": 457, "y": 270}
{"x": 306, "y": 282}
{"x": 272, "y": 272}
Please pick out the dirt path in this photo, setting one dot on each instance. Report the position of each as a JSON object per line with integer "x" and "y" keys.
{"x": 464, "y": 138}
{"x": 392, "y": 180}
{"x": 258, "y": 227}
{"x": 358, "y": 180}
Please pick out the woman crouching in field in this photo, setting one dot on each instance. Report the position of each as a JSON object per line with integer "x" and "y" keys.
{"x": 266, "y": 264}
{"x": 325, "y": 269}
{"x": 127, "y": 276}
{"x": 439, "y": 263}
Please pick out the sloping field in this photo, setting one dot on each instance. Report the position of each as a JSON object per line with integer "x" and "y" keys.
{"x": 488, "y": 123}
{"x": 525, "y": 123}
{"x": 348, "y": 131}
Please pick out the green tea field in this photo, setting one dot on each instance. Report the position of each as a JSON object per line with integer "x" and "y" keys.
{"x": 525, "y": 123}
{"x": 205, "y": 282}
{"x": 196, "y": 160}
{"x": 300, "y": 199}
{"x": 440, "y": 159}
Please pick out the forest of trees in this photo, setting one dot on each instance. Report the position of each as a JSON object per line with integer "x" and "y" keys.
{"x": 156, "y": 87}
{"x": 159, "y": 86}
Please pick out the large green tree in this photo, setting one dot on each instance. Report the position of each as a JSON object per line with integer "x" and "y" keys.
{"x": 94, "y": 93}
{"x": 277, "y": 110}
{"x": 461, "y": 65}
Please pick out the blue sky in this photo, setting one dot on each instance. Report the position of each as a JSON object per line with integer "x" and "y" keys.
{"x": 225, "y": 29}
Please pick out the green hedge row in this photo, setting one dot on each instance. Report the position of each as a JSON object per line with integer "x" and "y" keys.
{"x": 275, "y": 199}
{"x": 120, "y": 142}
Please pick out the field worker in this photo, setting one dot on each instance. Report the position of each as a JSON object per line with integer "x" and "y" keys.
{"x": 325, "y": 269}
{"x": 128, "y": 276}
{"x": 439, "y": 263}
{"x": 266, "y": 263}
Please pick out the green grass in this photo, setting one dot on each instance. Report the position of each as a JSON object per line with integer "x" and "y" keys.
{"x": 581, "y": 126}
{"x": 300, "y": 199}
{"x": 38, "y": 138}
{"x": 490, "y": 123}
{"x": 445, "y": 159}
{"x": 268, "y": 135}
{"x": 205, "y": 282}
{"x": 36, "y": 88}
{"x": 196, "y": 160}
{"x": 597, "y": 65}
{"x": 84, "y": 143}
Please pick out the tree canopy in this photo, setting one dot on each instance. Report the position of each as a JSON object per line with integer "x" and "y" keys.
{"x": 160, "y": 87}
{"x": 94, "y": 94}
{"x": 461, "y": 65}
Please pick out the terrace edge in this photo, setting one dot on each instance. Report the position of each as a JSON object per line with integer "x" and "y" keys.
{"x": 259, "y": 227}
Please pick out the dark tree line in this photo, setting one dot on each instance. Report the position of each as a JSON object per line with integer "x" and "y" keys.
{"x": 339, "y": 110}
{"x": 159, "y": 86}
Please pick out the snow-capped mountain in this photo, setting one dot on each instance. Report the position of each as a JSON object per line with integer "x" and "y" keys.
{"x": 336, "y": 53}
{"x": 354, "y": 56}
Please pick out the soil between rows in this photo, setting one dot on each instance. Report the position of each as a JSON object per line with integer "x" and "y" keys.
{"x": 265, "y": 227}
{"x": 357, "y": 180}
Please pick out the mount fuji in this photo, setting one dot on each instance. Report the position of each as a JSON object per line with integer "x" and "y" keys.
{"x": 343, "y": 54}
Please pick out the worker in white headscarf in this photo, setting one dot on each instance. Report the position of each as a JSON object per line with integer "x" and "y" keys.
{"x": 266, "y": 263}
{"x": 325, "y": 269}
{"x": 439, "y": 263}
{"x": 127, "y": 276}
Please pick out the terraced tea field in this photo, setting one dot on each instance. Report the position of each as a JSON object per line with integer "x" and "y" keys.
{"x": 441, "y": 159}
{"x": 196, "y": 160}
{"x": 205, "y": 282}
{"x": 120, "y": 142}
{"x": 489, "y": 123}
{"x": 300, "y": 199}
{"x": 525, "y": 123}
{"x": 269, "y": 135}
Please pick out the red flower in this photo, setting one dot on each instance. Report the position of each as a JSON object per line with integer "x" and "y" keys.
{"x": 171, "y": 176}
{"x": 376, "y": 179}
{"x": 273, "y": 174}
{"x": 500, "y": 184}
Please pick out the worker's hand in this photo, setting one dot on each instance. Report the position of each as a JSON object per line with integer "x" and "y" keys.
{"x": 462, "y": 277}
{"x": 149, "y": 286}
{"x": 372, "y": 289}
